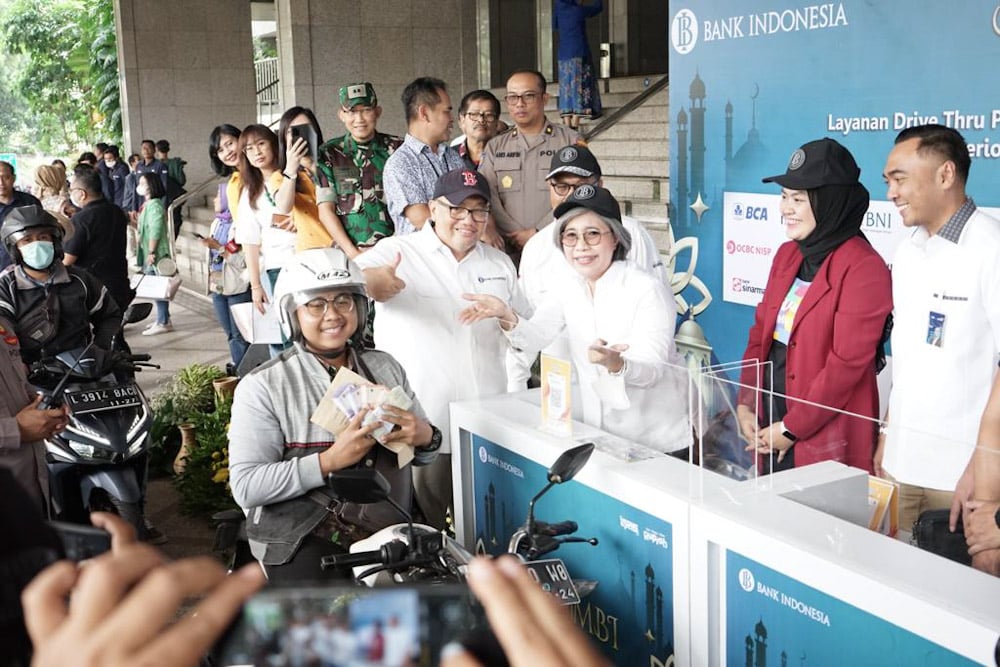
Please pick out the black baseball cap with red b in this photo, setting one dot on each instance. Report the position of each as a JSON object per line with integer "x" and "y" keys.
{"x": 459, "y": 184}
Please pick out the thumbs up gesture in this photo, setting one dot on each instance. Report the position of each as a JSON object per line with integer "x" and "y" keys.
{"x": 382, "y": 282}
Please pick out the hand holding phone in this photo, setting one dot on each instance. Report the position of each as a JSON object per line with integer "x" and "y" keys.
{"x": 308, "y": 133}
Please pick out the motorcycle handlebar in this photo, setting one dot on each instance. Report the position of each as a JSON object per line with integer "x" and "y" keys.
{"x": 353, "y": 560}
{"x": 555, "y": 529}
{"x": 139, "y": 357}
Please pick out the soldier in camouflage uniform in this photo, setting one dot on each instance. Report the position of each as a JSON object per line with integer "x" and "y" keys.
{"x": 349, "y": 174}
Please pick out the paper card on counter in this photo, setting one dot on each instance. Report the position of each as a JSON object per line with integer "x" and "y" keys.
{"x": 557, "y": 414}
{"x": 883, "y": 499}
{"x": 256, "y": 327}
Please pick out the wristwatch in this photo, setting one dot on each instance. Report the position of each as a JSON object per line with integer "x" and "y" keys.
{"x": 785, "y": 432}
{"x": 435, "y": 443}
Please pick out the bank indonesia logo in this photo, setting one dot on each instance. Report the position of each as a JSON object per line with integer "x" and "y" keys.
{"x": 482, "y": 454}
{"x": 684, "y": 31}
{"x": 746, "y": 580}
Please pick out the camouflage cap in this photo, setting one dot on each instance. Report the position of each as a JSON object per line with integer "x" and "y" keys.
{"x": 354, "y": 94}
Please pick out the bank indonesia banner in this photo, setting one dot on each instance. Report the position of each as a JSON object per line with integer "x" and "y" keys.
{"x": 750, "y": 82}
{"x": 772, "y": 619}
{"x": 630, "y": 615}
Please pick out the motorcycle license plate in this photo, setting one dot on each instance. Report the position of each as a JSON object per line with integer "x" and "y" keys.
{"x": 109, "y": 398}
{"x": 554, "y": 579}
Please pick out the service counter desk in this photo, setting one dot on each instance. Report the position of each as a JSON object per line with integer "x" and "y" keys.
{"x": 698, "y": 569}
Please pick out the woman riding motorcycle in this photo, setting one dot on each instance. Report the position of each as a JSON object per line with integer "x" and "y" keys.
{"x": 279, "y": 458}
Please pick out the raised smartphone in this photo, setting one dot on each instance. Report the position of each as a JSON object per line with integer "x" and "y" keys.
{"x": 393, "y": 626}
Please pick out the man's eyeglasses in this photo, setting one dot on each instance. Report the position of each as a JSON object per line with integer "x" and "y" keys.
{"x": 461, "y": 213}
{"x": 561, "y": 189}
{"x": 342, "y": 303}
{"x": 528, "y": 98}
{"x": 590, "y": 237}
{"x": 481, "y": 116}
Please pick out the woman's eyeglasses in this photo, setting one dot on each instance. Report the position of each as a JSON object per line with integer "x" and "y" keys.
{"x": 590, "y": 237}
{"x": 342, "y": 303}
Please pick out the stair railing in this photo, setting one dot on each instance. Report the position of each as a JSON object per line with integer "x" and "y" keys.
{"x": 621, "y": 112}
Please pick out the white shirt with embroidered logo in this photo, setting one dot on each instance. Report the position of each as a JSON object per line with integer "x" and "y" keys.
{"x": 939, "y": 391}
{"x": 444, "y": 360}
{"x": 628, "y": 306}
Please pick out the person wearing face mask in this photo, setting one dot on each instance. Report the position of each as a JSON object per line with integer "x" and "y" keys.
{"x": 54, "y": 307}
{"x": 820, "y": 323}
{"x": 99, "y": 236}
{"x": 153, "y": 243}
{"x": 113, "y": 176}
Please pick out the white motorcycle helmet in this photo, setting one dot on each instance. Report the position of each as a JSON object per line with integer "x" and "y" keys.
{"x": 312, "y": 272}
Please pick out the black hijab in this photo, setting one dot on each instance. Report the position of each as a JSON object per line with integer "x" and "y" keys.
{"x": 839, "y": 211}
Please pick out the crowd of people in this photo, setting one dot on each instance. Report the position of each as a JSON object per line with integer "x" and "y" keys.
{"x": 441, "y": 270}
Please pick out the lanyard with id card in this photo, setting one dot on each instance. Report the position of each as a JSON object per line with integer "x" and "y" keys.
{"x": 935, "y": 329}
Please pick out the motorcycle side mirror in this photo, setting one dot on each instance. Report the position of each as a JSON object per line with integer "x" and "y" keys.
{"x": 569, "y": 463}
{"x": 362, "y": 486}
{"x": 137, "y": 312}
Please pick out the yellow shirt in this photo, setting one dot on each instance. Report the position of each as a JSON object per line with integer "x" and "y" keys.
{"x": 309, "y": 231}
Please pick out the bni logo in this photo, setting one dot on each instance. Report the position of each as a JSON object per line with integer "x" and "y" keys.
{"x": 684, "y": 31}
{"x": 482, "y": 454}
{"x": 746, "y": 580}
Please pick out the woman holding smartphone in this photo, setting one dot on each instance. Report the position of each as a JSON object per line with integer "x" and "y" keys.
{"x": 227, "y": 261}
{"x": 299, "y": 124}
{"x": 153, "y": 242}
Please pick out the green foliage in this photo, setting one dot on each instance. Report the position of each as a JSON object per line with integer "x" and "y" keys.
{"x": 61, "y": 63}
{"x": 204, "y": 484}
{"x": 188, "y": 396}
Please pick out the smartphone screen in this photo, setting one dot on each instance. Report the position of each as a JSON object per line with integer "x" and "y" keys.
{"x": 356, "y": 626}
{"x": 307, "y": 132}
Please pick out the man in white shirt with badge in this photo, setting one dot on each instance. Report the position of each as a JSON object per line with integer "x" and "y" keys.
{"x": 946, "y": 336}
{"x": 418, "y": 282}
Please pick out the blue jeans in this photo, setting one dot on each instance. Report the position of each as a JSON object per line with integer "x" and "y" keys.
{"x": 237, "y": 346}
{"x": 162, "y": 311}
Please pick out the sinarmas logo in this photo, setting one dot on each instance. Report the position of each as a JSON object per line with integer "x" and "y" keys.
{"x": 684, "y": 31}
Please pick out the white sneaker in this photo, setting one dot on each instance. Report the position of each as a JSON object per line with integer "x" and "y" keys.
{"x": 158, "y": 329}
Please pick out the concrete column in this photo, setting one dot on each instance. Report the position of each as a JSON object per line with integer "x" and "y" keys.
{"x": 324, "y": 44}
{"x": 185, "y": 66}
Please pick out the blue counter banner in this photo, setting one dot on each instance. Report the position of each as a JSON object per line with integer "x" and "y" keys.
{"x": 630, "y": 613}
{"x": 772, "y": 619}
{"x": 751, "y": 82}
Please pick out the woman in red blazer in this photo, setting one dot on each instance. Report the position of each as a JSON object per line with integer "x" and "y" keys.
{"x": 820, "y": 323}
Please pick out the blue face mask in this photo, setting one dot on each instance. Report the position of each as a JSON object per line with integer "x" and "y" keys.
{"x": 38, "y": 254}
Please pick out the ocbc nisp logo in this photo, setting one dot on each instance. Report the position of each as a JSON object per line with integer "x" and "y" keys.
{"x": 684, "y": 31}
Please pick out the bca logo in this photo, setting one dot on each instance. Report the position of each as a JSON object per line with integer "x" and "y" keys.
{"x": 482, "y": 454}
{"x": 684, "y": 31}
{"x": 746, "y": 580}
